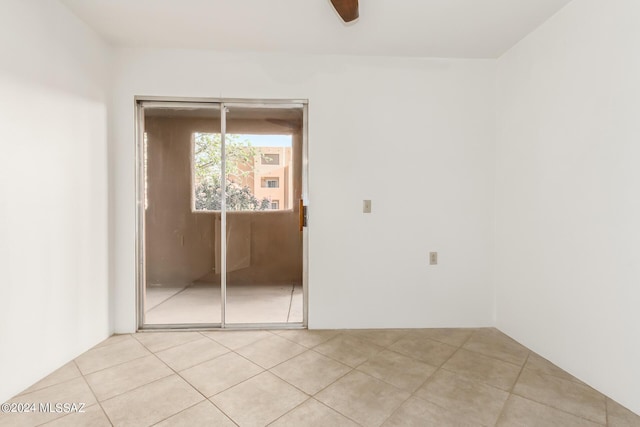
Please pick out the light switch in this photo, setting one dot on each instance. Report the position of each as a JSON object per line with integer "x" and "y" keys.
{"x": 433, "y": 258}
{"x": 366, "y": 206}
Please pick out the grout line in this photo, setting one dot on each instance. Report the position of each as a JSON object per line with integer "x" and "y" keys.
{"x": 280, "y": 363}
{"x": 470, "y": 330}
{"x": 439, "y": 367}
{"x": 24, "y": 393}
{"x": 176, "y": 373}
{"x": 336, "y": 411}
{"x": 557, "y": 409}
{"x": 193, "y": 387}
{"x": 117, "y": 364}
{"x": 336, "y": 380}
{"x": 94, "y": 394}
{"x": 547, "y": 405}
{"x": 513, "y": 386}
{"x": 223, "y": 412}
{"x": 292, "y": 409}
{"x": 397, "y": 409}
{"x": 303, "y": 345}
{"x": 137, "y": 387}
{"x": 179, "y": 412}
{"x": 171, "y": 346}
{"x": 496, "y": 358}
{"x": 97, "y": 346}
{"x": 329, "y": 385}
{"x": 199, "y": 363}
{"x": 206, "y": 399}
{"x": 242, "y": 346}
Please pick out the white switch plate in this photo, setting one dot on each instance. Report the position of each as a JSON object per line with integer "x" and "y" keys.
{"x": 433, "y": 258}
{"x": 366, "y": 206}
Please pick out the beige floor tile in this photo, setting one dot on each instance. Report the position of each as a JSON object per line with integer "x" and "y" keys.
{"x": 542, "y": 365}
{"x": 351, "y": 351}
{"x": 561, "y": 394}
{"x": 419, "y": 413}
{"x": 370, "y": 385}
{"x": 310, "y": 371}
{"x": 192, "y": 353}
{"x": 158, "y": 341}
{"x": 381, "y": 337}
{"x": 432, "y": 352}
{"x": 452, "y": 336}
{"x": 111, "y": 355}
{"x": 468, "y": 400}
{"x": 15, "y": 419}
{"x": 151, "y": 403}
{"x": 114, "y": 339}
{"x": 204, "y": 414}
{"x": 313, "y": 414}
{"x": 493, "y": 343}
{"x": 398, "y": 370}
{"x": 72, "y": 391}
{"x": 271, "y": 351}
{"x": 119, "y": 379}
{"x": 619, "y": 416}
{"x": 67, "y": 372}
{"x": 92, "y": 416}
{"x": 259, "y": 400}
{"x": 526, "y": 413}
{"x": 485, "y": 369}
{"x": 237, "y": 339}
{"x": 362, "y": 398}
{"x": 220, "y": 373}
{"x": 308, "y": 338}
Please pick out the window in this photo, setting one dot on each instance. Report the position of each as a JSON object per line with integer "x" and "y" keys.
{"x": 270, "y": 183}
{"x": 275, "y": 204}
{"x": 253, "y": 172}
{"x": 270, "y": 159}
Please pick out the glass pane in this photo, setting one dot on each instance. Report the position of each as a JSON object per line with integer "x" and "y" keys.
{"x": 182, "y": 245}
{"x": 264, "y": 242}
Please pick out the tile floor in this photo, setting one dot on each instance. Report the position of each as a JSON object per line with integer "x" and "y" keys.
{"x": 200, "y": 303}
{"x": 423, "y": 377}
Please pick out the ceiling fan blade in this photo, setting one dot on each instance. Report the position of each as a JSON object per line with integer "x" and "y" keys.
{"x": 347, "y": 9}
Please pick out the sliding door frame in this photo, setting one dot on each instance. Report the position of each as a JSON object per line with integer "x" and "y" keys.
{"x": 140, "y": 102}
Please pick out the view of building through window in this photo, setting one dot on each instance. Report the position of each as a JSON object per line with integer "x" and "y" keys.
{"x": 259, "y": 172}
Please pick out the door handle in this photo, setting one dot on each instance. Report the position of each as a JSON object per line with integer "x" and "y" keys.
{"x": 303, "y": 215}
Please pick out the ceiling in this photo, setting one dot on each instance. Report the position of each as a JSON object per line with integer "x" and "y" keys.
{"x": 421, "y": 28}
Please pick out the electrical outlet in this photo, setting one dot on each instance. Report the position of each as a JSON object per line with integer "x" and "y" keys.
{"x": 366, "y": 206}
{"x": 433, "y": 258}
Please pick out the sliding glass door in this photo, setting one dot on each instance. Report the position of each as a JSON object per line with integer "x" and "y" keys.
{"x": 264, "y": 237}
{"x": 220, "y": 236}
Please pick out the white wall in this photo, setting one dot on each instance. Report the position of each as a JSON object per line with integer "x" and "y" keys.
{"x": 54, "y": 292}
{"x": 568, "y": 194}
{"x": 415, "y": 136}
